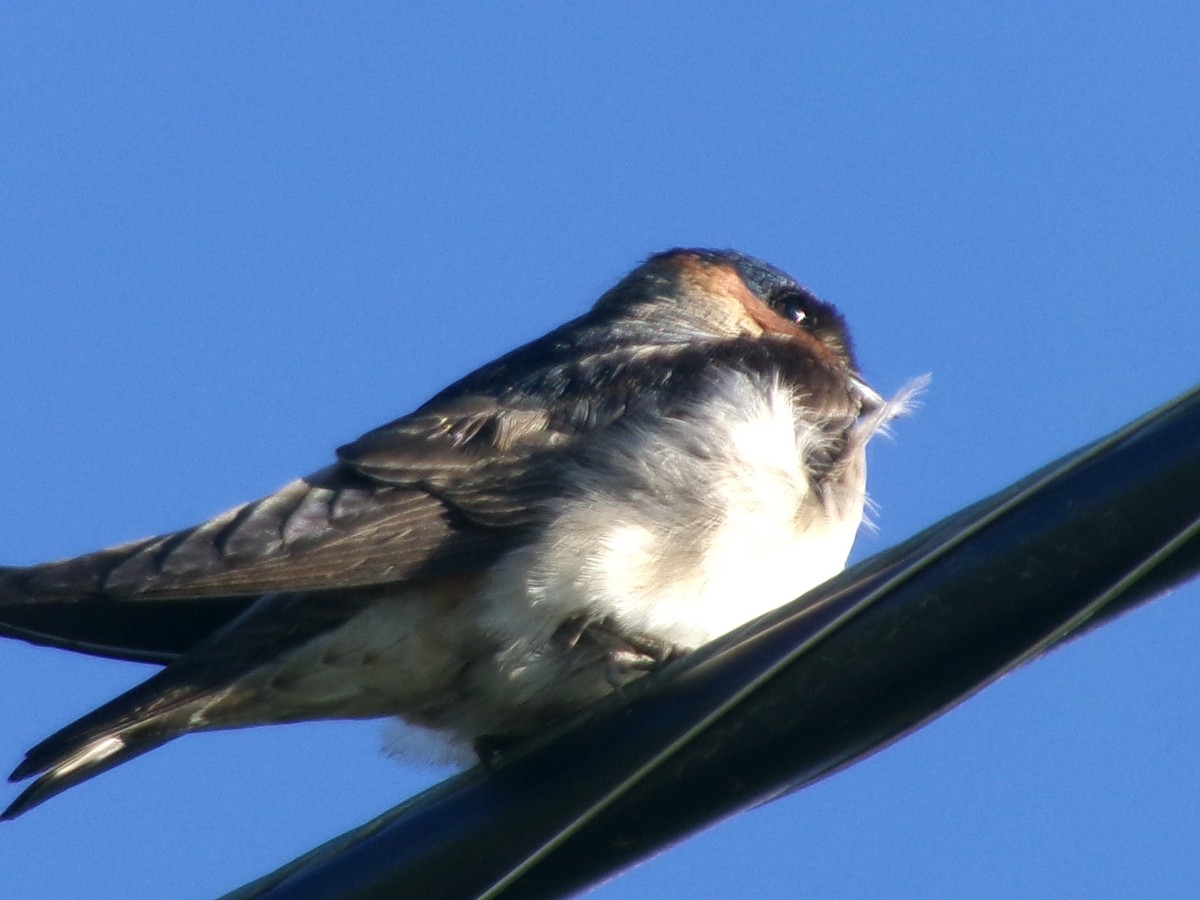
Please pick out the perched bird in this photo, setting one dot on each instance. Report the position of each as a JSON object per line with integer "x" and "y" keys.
{"x": 684, "y": 457}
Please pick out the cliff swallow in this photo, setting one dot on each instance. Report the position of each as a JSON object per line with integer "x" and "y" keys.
{"x": 684, "y": 457}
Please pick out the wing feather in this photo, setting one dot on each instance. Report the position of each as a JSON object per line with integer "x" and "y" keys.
{"x": 446, "y": 489}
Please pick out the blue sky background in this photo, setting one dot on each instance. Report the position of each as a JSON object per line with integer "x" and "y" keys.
{"x": 233, "y": 236}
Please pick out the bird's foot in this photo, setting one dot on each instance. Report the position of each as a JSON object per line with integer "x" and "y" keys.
{"x": 490, "y": 747}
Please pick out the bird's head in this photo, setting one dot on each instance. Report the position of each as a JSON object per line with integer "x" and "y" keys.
{"x": 687, "y": 292}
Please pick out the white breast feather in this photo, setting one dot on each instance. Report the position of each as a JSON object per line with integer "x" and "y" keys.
{"x": 678, "y": 529}
{"x": 687, "y": 527}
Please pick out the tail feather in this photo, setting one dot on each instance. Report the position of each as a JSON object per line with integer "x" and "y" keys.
{"x": 165, "y": 706}
{"x": 156, "y": 711}
{"x": 84, "y": 762}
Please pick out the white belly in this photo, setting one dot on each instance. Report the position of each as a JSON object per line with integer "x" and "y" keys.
{"x": 678, "y": 529}
{"x": 688, "y": 527}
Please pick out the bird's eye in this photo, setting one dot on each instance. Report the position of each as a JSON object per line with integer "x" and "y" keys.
{"x": 797, "y": 308}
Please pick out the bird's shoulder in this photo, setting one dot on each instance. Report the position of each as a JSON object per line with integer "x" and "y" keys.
{"x": 540, "y": 402}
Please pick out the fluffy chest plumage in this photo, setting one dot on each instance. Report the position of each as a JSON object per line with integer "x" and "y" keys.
{"x": 682, "y": 527}
{"x": 671, "y": 528}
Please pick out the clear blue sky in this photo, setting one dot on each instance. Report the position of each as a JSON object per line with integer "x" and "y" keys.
{"x": 233, "y": 236}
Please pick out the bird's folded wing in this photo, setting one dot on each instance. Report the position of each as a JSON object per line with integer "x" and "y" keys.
{"x": 446, "y": 489}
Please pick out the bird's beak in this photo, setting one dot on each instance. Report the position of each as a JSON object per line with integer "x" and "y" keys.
{"x": 870, "y": 397}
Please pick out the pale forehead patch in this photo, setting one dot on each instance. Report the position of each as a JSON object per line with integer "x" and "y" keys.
{"x": 723, "y": 283}
{"x": 722, "y": 286}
